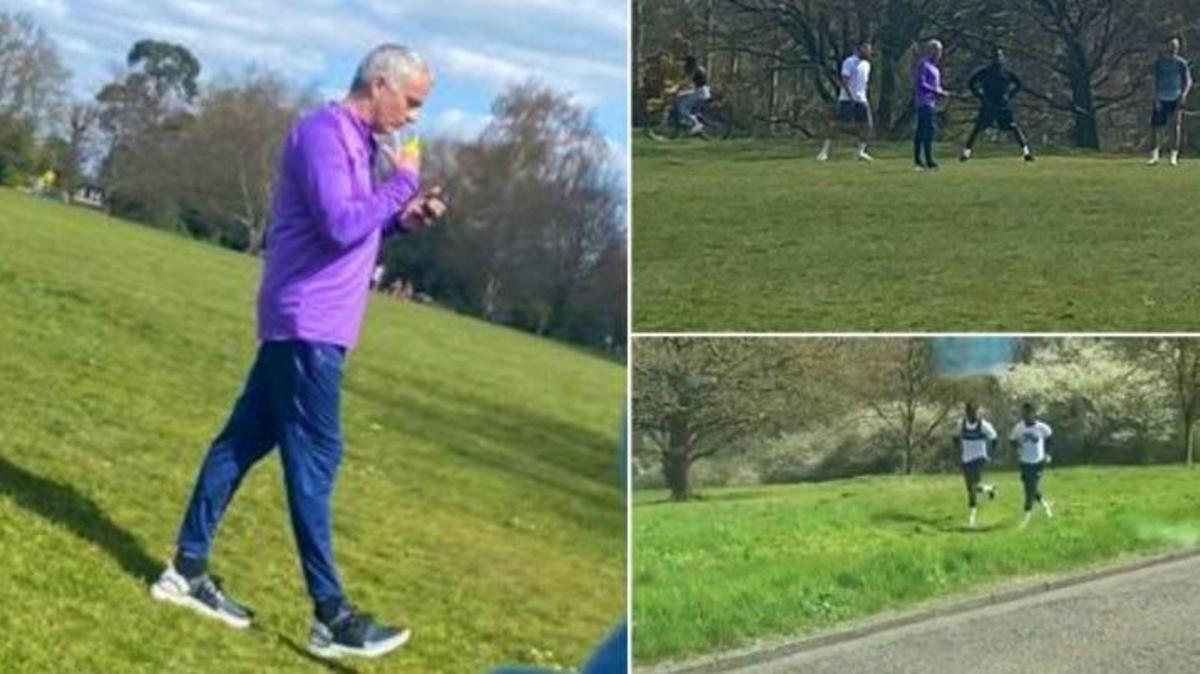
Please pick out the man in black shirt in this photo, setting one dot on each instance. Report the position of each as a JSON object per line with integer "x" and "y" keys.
{"x": 995, "y": 86}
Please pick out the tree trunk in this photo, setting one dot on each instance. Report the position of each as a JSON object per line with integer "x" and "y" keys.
{"x": 710, "y": 26}
{"x": 1087, "y": 131}
{"x": 1188, "y": 438}
{"x": 675, "y": 473}
{"x": 640, "y": 116}
{"x": 885, "y": 109}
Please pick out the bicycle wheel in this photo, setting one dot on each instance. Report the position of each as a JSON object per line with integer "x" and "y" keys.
{"x": 718, "y": 123}
{"x": 666, "y": 129}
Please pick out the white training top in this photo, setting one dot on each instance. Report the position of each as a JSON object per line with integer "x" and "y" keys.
{"x": 1032, "y": 439}
{"x": 975, "y": 438}
{"x": 858, "y": 71}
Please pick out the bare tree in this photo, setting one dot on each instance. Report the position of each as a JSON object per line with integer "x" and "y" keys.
{"x": 537, "y": 205}
{"x": 693, "y": 398}
{"x": 904, "y": 383}
{"x": 1178, "y": 359}
{"x": 32, "y": 75}
{"x": 232, "y": 149}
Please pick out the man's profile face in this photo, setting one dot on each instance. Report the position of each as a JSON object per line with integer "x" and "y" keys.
{"x": 397, "y": 106}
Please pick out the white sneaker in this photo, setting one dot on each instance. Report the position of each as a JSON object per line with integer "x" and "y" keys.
{"x": 823, "y": 157}
{"x": 863, "y": 156}
{"x": 1153, "y": 158}
{"x": 202, "y": 595}
{"x": 966, "y": 155}
{"x": 971, "y": 519}
{"x": 1046, "y": 506}
{"x": 1174, "y": 159}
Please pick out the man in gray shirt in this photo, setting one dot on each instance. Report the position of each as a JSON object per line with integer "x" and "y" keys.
{"x": 1172, "y": 84}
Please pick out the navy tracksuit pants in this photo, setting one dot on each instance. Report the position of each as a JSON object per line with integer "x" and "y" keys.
{"x": 291, "y": 400}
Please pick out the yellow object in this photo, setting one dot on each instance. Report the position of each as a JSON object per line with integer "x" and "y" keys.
{"x": 48, "y": 179}
{"x": 413, "y": 145}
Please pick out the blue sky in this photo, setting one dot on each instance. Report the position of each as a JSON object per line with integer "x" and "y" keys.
{"x": 476, "y": 46}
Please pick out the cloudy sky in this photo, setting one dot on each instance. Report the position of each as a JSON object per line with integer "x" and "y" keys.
{"x": 476, "y": 46}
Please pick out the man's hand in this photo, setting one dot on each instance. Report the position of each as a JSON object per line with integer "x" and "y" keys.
{"x": 424, "y": 210}
{"x": 404, "y": 158}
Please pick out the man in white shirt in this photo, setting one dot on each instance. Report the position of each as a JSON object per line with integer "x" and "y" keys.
{"x": 854, "y": 112}
{"x": 1029, "y": 436}
{"x": 975, "y": 438}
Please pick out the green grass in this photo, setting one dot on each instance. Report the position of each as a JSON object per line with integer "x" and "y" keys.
{"x": 478, "y": 500}
{"x": 752, "y": 563}
{"x": 757, "y": 236}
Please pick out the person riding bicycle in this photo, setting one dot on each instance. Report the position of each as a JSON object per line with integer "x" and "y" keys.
{"x": 696, "y": 93}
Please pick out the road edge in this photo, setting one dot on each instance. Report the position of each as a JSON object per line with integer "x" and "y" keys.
{"x": 762, "y": 654}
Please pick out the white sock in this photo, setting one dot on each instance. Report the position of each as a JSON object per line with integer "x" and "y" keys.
{"x": 967, "y": 152}
{"x": 862, "y": 148}
{"x": 1046, "y": 506}
{"x": 971, "y": 517}
{"x": 825, "y": 148}
{"x": 1025, "y": 149}
{"x": 1154, "y": 154}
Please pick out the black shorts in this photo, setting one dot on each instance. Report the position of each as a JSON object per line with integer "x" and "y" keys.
{"x": 1031, "y": 473}
{"x": 1164, "y": 113}
{"x": 973, "y": 470}
{"x": 999, "y": 116}
{"x": 853, "y": 112}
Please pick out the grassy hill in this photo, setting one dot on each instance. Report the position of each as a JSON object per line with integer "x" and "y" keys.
{"x": 757, "y": 236}
{"x": 750, "y": 563}
{"x": 478, "y": 499}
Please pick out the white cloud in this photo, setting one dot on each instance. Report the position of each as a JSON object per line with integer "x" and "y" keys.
{"x": 458, "y": 124}
{"x": 476, "y": 46}
{"x": 486, "y": 70}
{"x": 57, "y": 8}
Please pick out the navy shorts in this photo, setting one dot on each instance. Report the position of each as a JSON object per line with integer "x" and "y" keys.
{"x": 1164, "y": 113}
{"x": 973, "y": 470}
{"x": 853, "y": 112}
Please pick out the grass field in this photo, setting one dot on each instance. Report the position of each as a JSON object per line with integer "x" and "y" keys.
{"x": 757, "y": 236}
{"x": 478, "y": 500}
{"x": 750, "y": 563}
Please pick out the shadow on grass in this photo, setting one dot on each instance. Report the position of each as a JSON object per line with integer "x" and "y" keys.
{"x": 937, "y": 524}
{"x": 64, "y": 505}
{"x": 330, "y": 665}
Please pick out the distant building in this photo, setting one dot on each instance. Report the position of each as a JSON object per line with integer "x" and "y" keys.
{"x": 88, "y": 195}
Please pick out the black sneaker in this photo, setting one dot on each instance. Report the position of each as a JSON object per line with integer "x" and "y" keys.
{"x": 354, "y": 633}
{"x": 201, "y": 594}
{"x": 1030, "y": 157}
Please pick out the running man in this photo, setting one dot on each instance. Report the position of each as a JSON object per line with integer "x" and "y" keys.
{"x": 976, "y": 437}
{"x": 853, "y": 111}
{"x": 1172, "y": 84}
{"x": 927, "y": 83}
{"x": 996, "y": 86}
{"x": 687, "y": 100}
{"x": 1029, "y": 435}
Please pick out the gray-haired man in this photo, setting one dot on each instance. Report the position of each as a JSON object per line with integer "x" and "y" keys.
{"x": 328, "y": 217}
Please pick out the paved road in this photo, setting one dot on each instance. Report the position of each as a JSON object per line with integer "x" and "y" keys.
{"x": 1143, "y": 621}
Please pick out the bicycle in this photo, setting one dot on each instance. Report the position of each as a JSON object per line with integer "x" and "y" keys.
{"x": 716, "y": 119}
